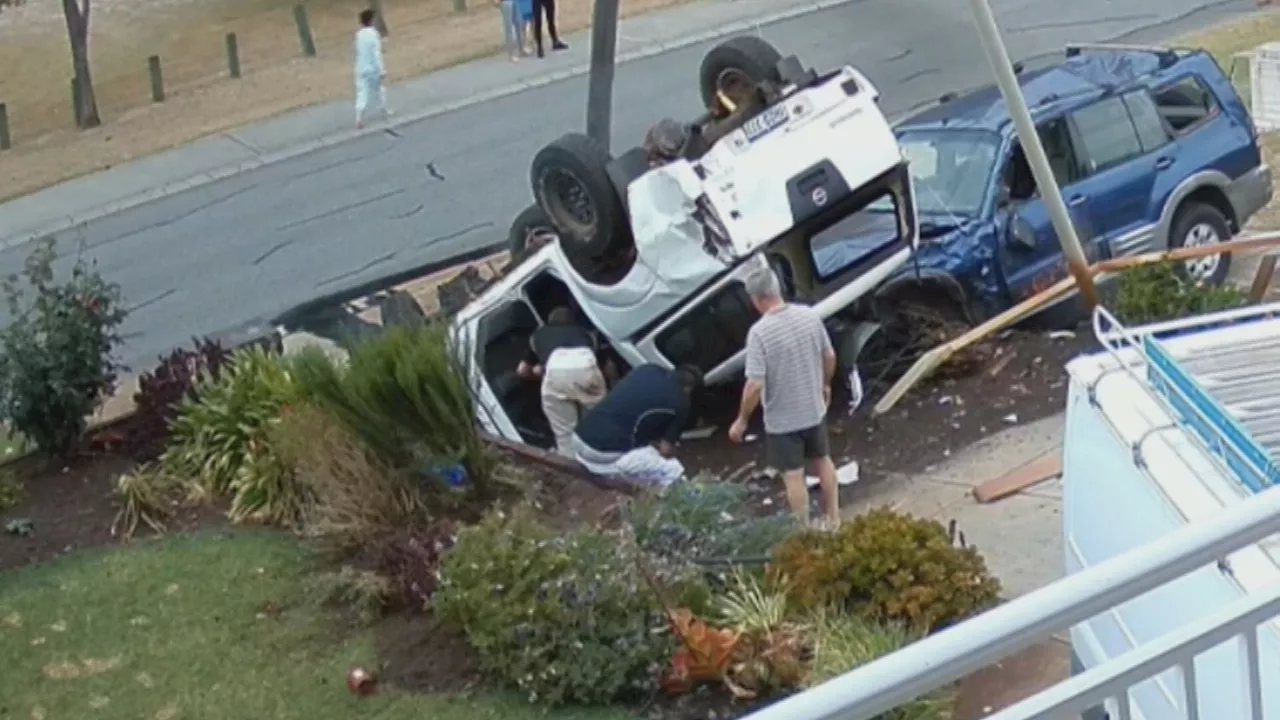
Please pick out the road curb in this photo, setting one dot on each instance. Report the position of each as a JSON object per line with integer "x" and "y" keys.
{"x": 338, "y": 138}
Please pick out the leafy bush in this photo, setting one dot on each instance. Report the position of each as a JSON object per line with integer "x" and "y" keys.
{"x": 12, "y": 491}
{"x": 161, "y": 390}
{"x": 842, "y": 643}
{"x": 355, "y": 498}
{"x": 405, "y": 394}
{"x": 886, "y": 566}
{"x": 564, "y": 619}
{"x": 146, "y": 498}
{"x": 224, "y": 439}
{"x": 1159, "y": 292}
{"x": 704, "y": 519}
{"x": 56, "y": 362}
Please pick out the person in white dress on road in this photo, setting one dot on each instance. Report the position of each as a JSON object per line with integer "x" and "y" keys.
{"x": 370, "y": 72}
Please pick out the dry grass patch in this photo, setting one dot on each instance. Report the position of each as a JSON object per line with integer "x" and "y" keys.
{"x": 190, "y": 39}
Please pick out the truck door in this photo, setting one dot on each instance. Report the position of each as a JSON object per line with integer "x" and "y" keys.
{"x": 1030, "y": 255}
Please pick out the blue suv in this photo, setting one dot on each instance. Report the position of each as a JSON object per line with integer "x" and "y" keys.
{"x": 1152, "y": 148}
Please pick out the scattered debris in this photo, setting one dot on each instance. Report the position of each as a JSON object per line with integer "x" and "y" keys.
{"x": 22, "y": 527}
{"x": 699, "y": 433}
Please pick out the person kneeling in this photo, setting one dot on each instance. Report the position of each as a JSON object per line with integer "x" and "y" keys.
{"x": 631, "y": 434}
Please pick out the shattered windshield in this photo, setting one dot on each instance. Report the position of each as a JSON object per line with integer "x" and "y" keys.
{"x": 950, "y": 169}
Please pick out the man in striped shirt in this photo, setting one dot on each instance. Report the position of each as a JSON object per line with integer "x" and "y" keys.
{"x": 790, "y": 363}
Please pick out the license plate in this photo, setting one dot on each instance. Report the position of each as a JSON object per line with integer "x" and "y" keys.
{"x": 766, "y": 122}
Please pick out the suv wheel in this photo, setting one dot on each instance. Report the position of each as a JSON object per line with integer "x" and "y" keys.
{"x": 529, "y": 231}
{"x": 735, "y": 64}
{"x": 1199, "y": 225}
{"x": 571, "y": 183}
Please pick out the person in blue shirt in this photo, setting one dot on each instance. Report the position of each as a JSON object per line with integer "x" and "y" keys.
{"x": 632, "y": 433}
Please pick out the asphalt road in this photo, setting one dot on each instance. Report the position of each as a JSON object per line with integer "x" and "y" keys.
{"x": 250, "y": 246}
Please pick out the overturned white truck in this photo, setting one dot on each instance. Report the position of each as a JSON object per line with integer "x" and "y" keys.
{"x": 788, "y": 168}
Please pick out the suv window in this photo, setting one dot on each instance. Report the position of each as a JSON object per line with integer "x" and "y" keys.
{"x": 1185, "y": 104}
{"x": 712, "y": 332}
{"x": 1061, "y": 152}
{"x": 1152, "y": 132}
{"x": 1107, "y": 133}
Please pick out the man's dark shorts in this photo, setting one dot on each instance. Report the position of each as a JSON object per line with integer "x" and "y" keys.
{"x": 790, "y": 451}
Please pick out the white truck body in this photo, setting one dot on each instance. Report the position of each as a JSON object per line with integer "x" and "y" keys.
{"x": 1163, "y": 432}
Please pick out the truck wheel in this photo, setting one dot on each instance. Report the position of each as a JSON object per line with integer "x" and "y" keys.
{"x": 529, "y": 231}
{"x": 738, "y": 60}
{"x": 1196, "y": 225}
{"x": 571, "y": 183}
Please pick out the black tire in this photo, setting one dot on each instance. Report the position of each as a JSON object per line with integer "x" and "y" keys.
{"x": 749, "y": 55}
{"x": 1198, "y": 223}
{"x": 529, "y": 231}
{"x": 571, "y": 183}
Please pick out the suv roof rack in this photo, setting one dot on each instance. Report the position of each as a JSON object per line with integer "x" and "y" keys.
{"x": 1167, "y": 55}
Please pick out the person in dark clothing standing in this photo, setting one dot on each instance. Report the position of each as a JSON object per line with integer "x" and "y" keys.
{"x": 632, "y": 433}
{"x": 563, "y": 354}
{"x": 549, "y": 8}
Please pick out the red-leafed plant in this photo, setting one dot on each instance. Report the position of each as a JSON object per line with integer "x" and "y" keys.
{"x": 175, "y": 379}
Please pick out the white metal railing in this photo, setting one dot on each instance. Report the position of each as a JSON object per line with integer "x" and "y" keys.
{"x": 1112, "y": 680}
{"x": 943, "y": 658}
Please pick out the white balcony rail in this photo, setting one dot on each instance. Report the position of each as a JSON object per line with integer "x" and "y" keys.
{"x": 943, "y": 658}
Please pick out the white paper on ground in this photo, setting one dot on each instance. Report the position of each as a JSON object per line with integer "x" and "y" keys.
{"x": 846, "y": 474}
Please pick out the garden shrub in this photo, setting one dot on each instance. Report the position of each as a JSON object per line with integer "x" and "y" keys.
{"x": 161, "y": 390}
{"x": 843, "y": 642}
{"x": 562, "y": 618}
{"x": 363, "y": 592}
{"x": 705, "y": 519}
{"x": 55, "y": 364}
{"x": 354, "y": 497}
{"x": 223, "y": 439}
{"x": 12, "y": 491}
{"x": 147, "y": 497}
{"x": 1160, "y": 291}
{"x": 886, "y": 566}
{"x": 405, "y": 394}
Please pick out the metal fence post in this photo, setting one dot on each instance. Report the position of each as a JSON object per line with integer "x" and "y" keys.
{"x": 305, "y": 38}
{"x": 233, "y": 55}
{"x": 6, "y": 140}
{"x": 157, "y": 78}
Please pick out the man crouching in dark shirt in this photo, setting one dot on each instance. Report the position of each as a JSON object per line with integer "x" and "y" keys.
{"x": 563, "y": 354}
{"x": 632, "y": 433}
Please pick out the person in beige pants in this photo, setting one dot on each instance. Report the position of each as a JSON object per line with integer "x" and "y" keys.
{"x": 563, "y": 355}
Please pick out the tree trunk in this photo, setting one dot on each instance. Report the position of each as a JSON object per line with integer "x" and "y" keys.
{"x": 77, "y": 17}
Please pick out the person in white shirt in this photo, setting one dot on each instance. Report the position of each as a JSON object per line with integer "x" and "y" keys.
{"x": 370, "y": 72}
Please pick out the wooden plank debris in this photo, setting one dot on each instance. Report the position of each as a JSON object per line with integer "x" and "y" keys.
{"x": 1015, "y": 481}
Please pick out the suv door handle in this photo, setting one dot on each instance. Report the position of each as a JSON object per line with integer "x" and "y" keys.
{"x": 1076, "y": 200}
{"x": 1164, "y": 163}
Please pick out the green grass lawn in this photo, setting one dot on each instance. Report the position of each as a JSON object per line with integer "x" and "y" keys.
{"x": 173, "y": 629}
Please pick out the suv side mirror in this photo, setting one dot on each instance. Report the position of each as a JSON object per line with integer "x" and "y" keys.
{"x": 1019, "y": 234}
{"x": 1003, "y": 196}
